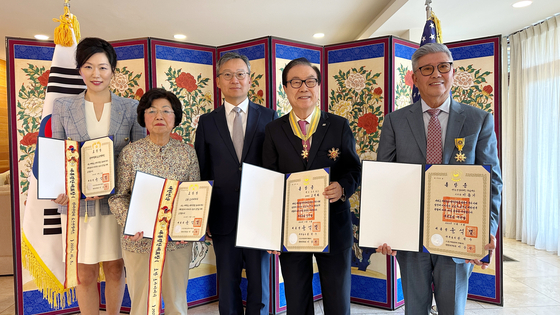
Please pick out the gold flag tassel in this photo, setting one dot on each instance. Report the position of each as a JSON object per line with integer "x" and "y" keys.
{"x": 438, "y": 28}
{"x": 46, "y": 282}
{"x": 63, "y": 32}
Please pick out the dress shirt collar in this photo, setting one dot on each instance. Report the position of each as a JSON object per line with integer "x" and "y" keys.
{"x": 243, "y": 105}
{"x": 443, "y": 107}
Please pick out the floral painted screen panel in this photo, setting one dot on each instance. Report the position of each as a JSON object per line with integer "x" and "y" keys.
{"x": 188, "y": 71}
{"x": 357, "y": 77}
{"x": 402, "y": 73}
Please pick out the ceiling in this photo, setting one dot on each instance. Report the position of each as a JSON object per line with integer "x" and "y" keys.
{"x": 220, "y": 22}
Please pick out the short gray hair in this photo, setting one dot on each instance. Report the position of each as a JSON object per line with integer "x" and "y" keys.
{"x": 427, "y": 49}
{"x": 229, "y": 56}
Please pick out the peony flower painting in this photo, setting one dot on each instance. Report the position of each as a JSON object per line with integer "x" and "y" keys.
{"x": 403, "y": 89}
{"x": 30, "y": 98}
{"x": 195, "y": 93}
{"x": 471, "y": 87}
{"x": 125, "y": 83}
{"x": 358, "y": 98}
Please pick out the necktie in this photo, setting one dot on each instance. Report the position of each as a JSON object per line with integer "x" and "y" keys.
{"x": 237, "y": 133}
{"x": 434, "y": 146}
{"x": 305, "y": 143}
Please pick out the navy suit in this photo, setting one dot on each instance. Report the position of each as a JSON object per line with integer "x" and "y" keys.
{"x": 282, "y": 152}
{"x": 403, "y": 139}
{"x": 218, "y": 161}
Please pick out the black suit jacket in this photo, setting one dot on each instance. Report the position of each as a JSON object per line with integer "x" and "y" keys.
{"x": 218, "y": 161}
{"x": 282, "y": 153}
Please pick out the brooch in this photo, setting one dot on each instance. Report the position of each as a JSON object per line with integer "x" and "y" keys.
{"x": 460, "y": 143}
{"x": 334, "y": 153}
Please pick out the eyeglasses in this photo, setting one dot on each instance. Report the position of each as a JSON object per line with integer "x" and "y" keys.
{"x": 228, "y": 75}
{"x": 154, "y": 112}
{"x": 310, "y": 83}
{"x": 443, "y": 67}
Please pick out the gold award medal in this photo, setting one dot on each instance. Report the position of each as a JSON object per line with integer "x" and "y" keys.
{"x": 460, "y": 143}
{"x": 334, "y": 153}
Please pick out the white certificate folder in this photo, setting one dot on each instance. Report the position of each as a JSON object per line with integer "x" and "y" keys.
{"x": 261, "y": 216}
{"x": 394, "y": 201}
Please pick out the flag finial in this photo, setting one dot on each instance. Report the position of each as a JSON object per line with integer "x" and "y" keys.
{"x": 63, "y": 32}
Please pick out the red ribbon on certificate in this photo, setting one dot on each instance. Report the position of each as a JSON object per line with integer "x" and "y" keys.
{"x": 73, "y": 214}
{"x": 159, "y": 244}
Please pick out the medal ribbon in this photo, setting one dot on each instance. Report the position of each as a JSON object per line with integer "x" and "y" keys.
{"x": 312, "y": 127}
{"x": 73, "y": 212}
{"x": 159, "y": 244}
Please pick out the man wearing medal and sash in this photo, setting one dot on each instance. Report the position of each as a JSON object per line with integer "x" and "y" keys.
{"x": 225, "y": 138}
{"x": 309, "y": 139}
{"x": 438, "y": 130}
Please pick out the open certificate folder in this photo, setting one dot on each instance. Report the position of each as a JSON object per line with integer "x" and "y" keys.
{"x": 96, "y": 167}
{"x": 439, "y": 209}
{"x": 189, "y": 214}
{"x": 283, "y": 212}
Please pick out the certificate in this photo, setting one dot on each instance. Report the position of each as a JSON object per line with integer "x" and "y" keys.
{"x": 283, "y": 212}
{"x": 96, "y": 171}
{"x": 189, "y": 215}
{"x": 98, "y": 167}
{"x": 440, "y": 209}
{"x": 457, "y": 210}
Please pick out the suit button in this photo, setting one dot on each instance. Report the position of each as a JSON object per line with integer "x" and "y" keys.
{"x": 69, "y": 138}
{"x": 240, "y": 168}
{"x": 237, "y": 189}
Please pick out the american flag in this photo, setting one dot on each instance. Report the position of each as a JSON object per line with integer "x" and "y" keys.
{"x": 430, "y": 35}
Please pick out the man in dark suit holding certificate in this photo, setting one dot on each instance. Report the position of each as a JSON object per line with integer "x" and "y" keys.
{"x": 438, "y": 130}
{"x": 309, "y": 139}
{"x": 225, "y": 138}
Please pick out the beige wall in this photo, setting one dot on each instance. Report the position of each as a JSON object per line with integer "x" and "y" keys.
{"x": 4, "y": 134}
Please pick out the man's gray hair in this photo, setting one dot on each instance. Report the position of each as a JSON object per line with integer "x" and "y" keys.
{"x": 427, "y": 49}
{"x": 229, "y": 56}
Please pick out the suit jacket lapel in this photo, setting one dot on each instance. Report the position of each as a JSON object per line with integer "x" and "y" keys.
{"x": 294, "y": 140}
{"x": 454, "y": 126}
{"x": 221, "y": 124}
{"x": 253, "y": 114}
{"x": 117, "y": 114}
{"x": 416, "y": 123}
{"x": 317, "y": 137}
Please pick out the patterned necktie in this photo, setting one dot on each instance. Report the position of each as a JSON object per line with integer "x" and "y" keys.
{"x": 305, "y": 143}
{"x": 434, "y": 147}
{"x": 237, "y": 132}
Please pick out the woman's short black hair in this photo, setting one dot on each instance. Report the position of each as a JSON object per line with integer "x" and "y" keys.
{"x": 295, "y": 62}
{"x": 154, "y": 94}
{"x": 92, "y": 45}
